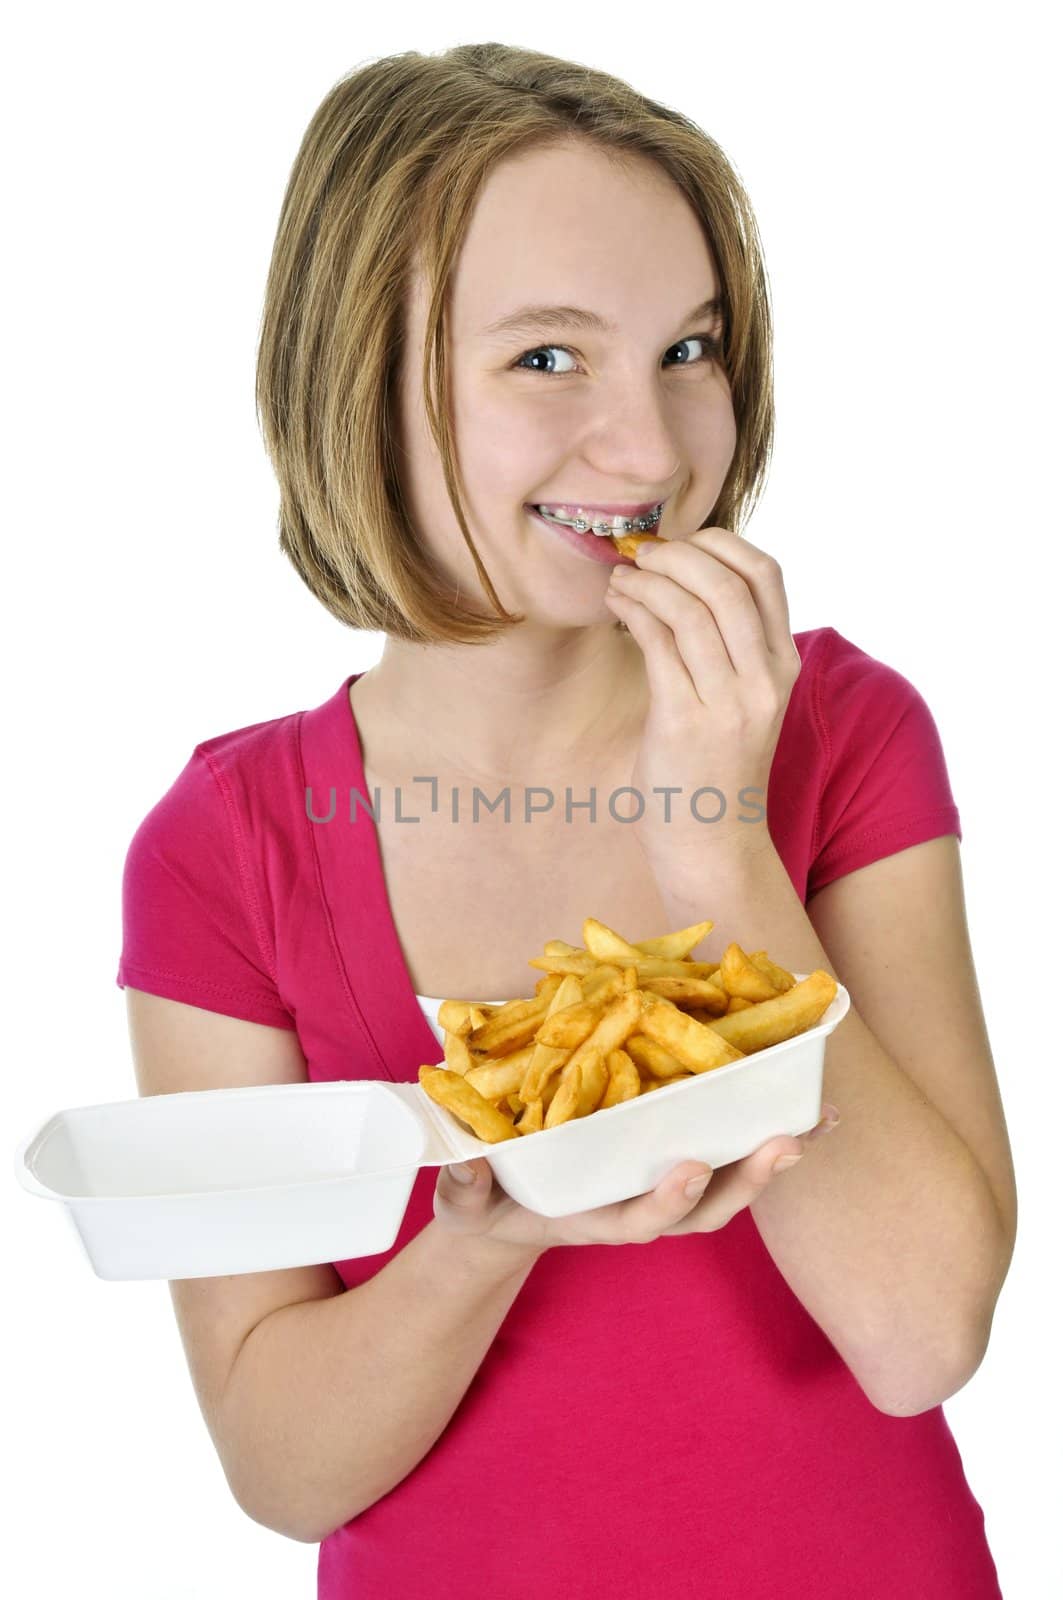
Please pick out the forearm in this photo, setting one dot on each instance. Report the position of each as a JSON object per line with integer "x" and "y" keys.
{"x": 888, "y": 1232}
{"x": 331, "y": 1403}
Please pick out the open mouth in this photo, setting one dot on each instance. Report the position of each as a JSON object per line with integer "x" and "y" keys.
{"x": 590, "y": 544}
{"x": 600, "y": 524}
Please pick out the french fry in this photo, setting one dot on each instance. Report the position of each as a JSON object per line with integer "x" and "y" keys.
{"x": 772, "y": 1021}
{"x": 581, "y": 964}
{"x": 696, "y": 991}
{"x": 735, "y": 1003}
{"x": 779, "y": 976}
{"x": 503, "y": 1076}
{"x": 562, "y": 1107}
{"x": 654, "y": 967}
{"x": 453, "y": 1017}
{"x": 457, "y": 1054}
{"x": 566, "y": 959}
{"x": 456, "y": 1016}
{"x": 708, "y": 1016}
{"x": 619, "y": 1021}
{"x": 570, "y": 1027}
{"x": 594, "y": 1076}
{"x": 623, "y": 1080}
{"x": 449, "y": 1090}
{"x": 513, "y": 1025}
{"x": 740, "y": 977}
{"x": 605, "y": 945}
{"x": 569, "y": 992}
{"x": 606, "y": 979}
{"x": 652, "y": 1059}
{"x": 676, "y": 946}
{"x": 695, "y": 1044}
{"x": 543, "y": 1071}
{"x": 531, "y": 1119}
{"x": 550, "y": 1088}
{"x": 628, "y": 543}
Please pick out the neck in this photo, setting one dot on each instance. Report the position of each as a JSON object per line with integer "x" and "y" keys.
{"x": 516, "y": 711}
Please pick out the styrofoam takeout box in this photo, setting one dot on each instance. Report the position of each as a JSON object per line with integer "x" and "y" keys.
{"x": 208, "y": 1182}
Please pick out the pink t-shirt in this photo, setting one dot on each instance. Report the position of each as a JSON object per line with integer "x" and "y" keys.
{"x": 651, "y": 1420}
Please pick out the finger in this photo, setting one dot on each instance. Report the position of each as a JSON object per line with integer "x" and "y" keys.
{"x": 759, "y": 572}
{"x": 698, "y": 632}
{"x": 676, "y": 603}
{"x": 455, "y": 1192}
{"x": 764, "y": 578}
{"x": 736, "y": 1186}
{"x": 666, "y": 672}
{"x": 829, "y": 1120}
{"x": 643, "y": 1218}
{"x": 698, "y": 572}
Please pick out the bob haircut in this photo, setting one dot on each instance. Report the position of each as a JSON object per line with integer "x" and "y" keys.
{"x": 386, "y": 177}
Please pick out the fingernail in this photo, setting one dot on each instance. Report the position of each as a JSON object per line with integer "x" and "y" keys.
{"x": 696, "y": 1187}
{"x": 826, "y": 1126}
{"x": 463, "y": 1174}
{"x": 784, "y": 1162}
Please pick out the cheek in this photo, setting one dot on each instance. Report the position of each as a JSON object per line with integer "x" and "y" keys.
{"x": 708, "y": 436}
{"x": 506, "y": 417}
{"x": 732, "y": 444}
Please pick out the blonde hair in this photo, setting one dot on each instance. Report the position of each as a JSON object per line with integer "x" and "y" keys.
{"x": 388, "y": 173}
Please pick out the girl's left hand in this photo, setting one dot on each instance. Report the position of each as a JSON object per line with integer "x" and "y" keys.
{"x": 710, "y": 614}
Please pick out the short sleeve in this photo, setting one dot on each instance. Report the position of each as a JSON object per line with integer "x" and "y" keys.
{"x": 190, "y": 926}
{"x": 886, "y": 785}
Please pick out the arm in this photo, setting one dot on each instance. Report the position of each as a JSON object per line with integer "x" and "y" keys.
{"x": 898, "y": 1237}
{"x": 319, "y": 1399}
{"x": 330, "y": 1403}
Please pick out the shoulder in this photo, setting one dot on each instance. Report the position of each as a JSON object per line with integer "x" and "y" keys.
{"x": 198, "y": 881}
{"x": 234, "y": 789}
{"x": 218, "y": 763}
{"x": 259, "y": 746}
{"x": 854, "y": 696}
{"x": 836, "y": 659}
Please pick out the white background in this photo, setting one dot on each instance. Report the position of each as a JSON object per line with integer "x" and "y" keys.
{"x": 903, "y": 167}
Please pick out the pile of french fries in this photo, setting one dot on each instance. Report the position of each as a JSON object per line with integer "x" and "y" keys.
{"x": 610, "y": 1022}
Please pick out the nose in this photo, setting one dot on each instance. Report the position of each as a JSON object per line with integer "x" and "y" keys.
{"x": 631, "y": 436}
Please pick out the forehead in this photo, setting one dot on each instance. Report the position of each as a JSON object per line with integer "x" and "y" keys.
{"x": 569, "y": 226}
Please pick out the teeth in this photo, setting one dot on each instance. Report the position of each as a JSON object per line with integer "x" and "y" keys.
{"x": 597, "y": 522}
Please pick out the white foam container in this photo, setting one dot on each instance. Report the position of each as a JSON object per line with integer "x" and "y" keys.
{"x": 205, "y": 1183}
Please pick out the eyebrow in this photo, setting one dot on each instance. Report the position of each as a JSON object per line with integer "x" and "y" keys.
{"x": 548, "y": 319}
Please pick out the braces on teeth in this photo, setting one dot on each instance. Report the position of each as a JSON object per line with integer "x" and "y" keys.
{"x": 604, "y": 527}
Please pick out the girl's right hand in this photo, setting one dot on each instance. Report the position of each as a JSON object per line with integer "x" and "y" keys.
{"x": 483, "y": 1209}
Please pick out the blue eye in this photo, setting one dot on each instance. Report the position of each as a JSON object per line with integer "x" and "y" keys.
{"x": 710, "y": 341}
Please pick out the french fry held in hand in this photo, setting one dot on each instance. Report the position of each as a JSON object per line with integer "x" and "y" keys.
{"x": 610, "y": 1022}
{"x": 628, "y": 543}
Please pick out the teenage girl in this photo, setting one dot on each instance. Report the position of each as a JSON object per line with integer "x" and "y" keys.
{"x": 510, "y": 295}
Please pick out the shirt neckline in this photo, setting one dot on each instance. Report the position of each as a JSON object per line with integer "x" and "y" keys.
{"x": 379, "y": 988}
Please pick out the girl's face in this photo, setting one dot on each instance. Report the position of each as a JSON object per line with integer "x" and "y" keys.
{"x": 630, "y": 413}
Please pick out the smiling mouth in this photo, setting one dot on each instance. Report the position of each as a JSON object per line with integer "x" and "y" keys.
{"x": 603, "y": 526}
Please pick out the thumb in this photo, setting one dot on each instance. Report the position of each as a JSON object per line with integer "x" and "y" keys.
{"x": 464, "y": 1180}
